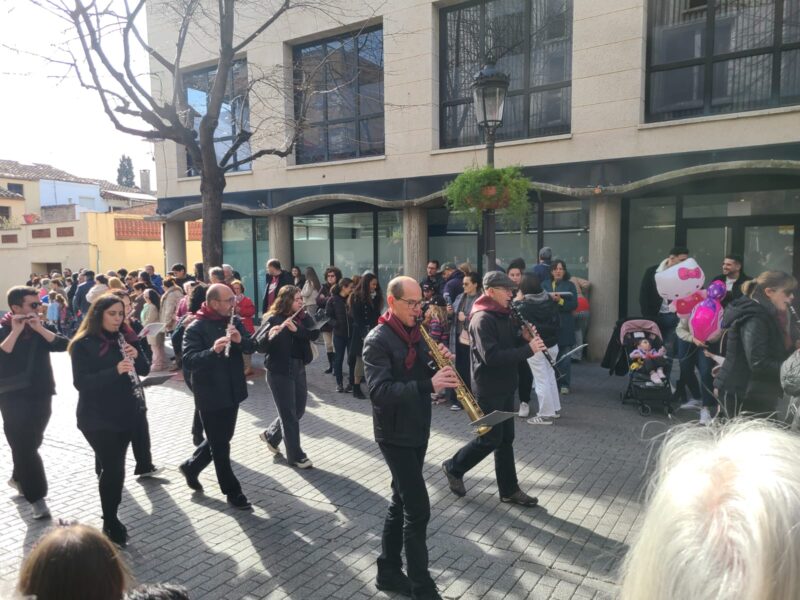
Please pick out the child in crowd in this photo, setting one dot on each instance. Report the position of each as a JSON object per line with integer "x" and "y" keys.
{"x": 437, "y": 325}
{"x": 650, "y": 361}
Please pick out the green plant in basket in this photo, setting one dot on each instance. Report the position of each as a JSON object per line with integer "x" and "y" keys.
{"x": 488, "y": 188}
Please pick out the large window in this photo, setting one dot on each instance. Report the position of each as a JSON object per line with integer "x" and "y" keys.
{"x": 721, "y": 56}
{"x": 234, "y": 116}
{"x": 531, "y": 41}
{"x": 338, "y": 99}
{"x": 450, "y": 239}
{"x": 237, "y": 251}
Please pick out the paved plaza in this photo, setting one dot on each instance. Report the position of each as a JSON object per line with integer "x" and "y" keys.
{"x": 316, "y": 533}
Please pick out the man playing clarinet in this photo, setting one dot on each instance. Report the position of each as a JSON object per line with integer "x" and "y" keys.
{"x": 497, "y": 348}
{"x": 219, "y": 385}
{"x": 26, "y": 390}
{"x": 400, "y": 384}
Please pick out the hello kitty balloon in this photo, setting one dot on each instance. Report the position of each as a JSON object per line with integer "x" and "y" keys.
{"x": 680, "y": 281}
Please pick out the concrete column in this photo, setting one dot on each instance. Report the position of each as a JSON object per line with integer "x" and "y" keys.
{"x": 280, "y": 246}
{"x": 605, "y": 233}
{"x": 174, "y": 243}
{"x": 415, "y": 241}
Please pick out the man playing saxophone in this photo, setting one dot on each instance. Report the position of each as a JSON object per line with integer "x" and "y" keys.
{"x": 496, "y": 350}
{"x": 400, "y": 382}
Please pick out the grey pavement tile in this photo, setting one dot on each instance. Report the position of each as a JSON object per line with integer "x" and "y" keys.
{"x": 316, "y": 534}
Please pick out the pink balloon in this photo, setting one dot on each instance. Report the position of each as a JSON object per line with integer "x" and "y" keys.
{"x": 706, "y": 320}
{"x": 683, "y": 306}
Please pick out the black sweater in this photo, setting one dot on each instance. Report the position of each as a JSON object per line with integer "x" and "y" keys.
{"x": 106, "y": 401}
{"x": 288, "y": 345}
{"x": 336, "y": 310}
{"x": 218, "y": 382}
{"x": 14, "y": 372}
{"x": 541, "y": 312}
{"x": 401, "y": 401}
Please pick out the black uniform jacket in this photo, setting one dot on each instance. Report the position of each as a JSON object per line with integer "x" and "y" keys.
{"x": 287, "y": 345}
{"x": 106, "y": 401}
{"x": 218, "y": 382}
{"x": 27, "y": 370}
{"x": 401, "y": 400}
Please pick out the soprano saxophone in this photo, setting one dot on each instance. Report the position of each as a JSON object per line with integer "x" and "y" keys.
{"x": 463, "y": 394}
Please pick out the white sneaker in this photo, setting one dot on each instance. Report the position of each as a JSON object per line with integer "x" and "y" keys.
{"x": 557, "y": 415}
{"x": 154, "y": 473}
{"x": 540, "y": 421}
{"x": 705, "y": 416}
{"x": 692, "y": 405}
{"x": 564, "y": 390}
{"x": 524, "y": 410}
{"x": 304, "y": 463}
{"x": 40, "y": 509}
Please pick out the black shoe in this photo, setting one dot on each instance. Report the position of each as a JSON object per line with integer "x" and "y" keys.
{"x": 357, "y": 393}
{"x": 349, "y": 388}
{"x": 394, "y": 582}
{"x": 521, "y": 498}
{"x": 191, "y": 480}
{"x": 329, "y": 370}
{"x": 116, "y": 532}
{"x": 239, "y": 501}
{"x": 339, "y": 388}
{"x": 198, "y": 439}
{"x": 456, "y": 483}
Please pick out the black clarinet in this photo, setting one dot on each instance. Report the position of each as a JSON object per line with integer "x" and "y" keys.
{"x": 529, "y": 327}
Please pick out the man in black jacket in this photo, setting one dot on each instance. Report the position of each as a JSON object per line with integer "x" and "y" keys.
{"x": 733, "y": 277}
{"x": 26, "y": 391}
{"x": 81, "y": 303}
{"x": 433, "y": 278}
{"x": 496, "y": 351}
{"x": 276, "y": 279}
{"x": 400, "y": 384}
{"x": 219, "y": 386}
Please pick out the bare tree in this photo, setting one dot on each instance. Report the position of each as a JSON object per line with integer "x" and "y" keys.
{"x": 108, "y": 36}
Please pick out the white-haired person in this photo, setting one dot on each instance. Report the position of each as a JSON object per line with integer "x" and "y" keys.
{"x": 723, "y": 517}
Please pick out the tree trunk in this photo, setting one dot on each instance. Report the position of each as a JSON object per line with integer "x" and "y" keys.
{"x": 212, "y": 184}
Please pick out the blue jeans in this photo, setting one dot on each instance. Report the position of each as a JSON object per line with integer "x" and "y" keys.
{"x": 687, "y": 359}
{"x": 565, "y": 366}
{"x": 339, "y": 347}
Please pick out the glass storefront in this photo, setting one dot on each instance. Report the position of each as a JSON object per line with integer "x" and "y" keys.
{"x": 237, "y": 251}
{"x": 355, "y": 237}
{"x": 651, "y": 234}
{"x": 566, "y": 231}
{"x": 450, "y": 239}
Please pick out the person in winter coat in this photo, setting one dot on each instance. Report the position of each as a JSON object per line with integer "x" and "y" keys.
{"x": 758, "y": 340}
{"x": 108, "y": 407}
{"x": 310, "y": 290}
{"x": 790, "y": 382}
{"x": 459, "y": 331}
{"x": 453, "y": 282}
{"x": 332, "y": 277}
{"x": 559, "y": 282}
{"x": 733, "y": 276}
{"x": 336, "y": 311}
{"x": 365, "y": 304}
{"x": 542, "y": 311}
{"x": 276, "y": 278}
{"x": 99, "y": 288}
{"x": 151, "y": 314}
{"x": 168, "y": 313}
{"x": 245, "y": 310}
{"x": 287, "y": 345}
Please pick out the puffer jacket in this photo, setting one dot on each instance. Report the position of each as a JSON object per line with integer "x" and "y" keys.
{"x": 541, "y": 312}
{"x": 753, "y": 356}
{"x": 336, "y": 311}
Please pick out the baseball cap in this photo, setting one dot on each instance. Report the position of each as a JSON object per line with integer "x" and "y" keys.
{"x": 448, "y": 266}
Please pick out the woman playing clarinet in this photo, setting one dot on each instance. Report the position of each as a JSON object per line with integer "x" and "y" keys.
{"x": 104, "y": 367}
{"x": 287, "y": 344}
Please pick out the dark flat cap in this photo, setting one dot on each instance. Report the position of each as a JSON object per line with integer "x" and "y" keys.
{"x": 497, "y": 279}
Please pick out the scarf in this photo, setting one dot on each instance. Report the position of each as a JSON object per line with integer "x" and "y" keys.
{"x": 206, "y": 313}
{"x": 410, "y": 337}
{"x": 488, "y": 304}
{"x": 111, "y": 340}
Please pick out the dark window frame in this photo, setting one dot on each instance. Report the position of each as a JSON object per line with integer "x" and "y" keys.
{"x": 357, "y": 118}
{"x": 5, "y": 212}
{"x": 190, "y": 170}
{"x": 527, "y": 90}
{"x": 17, "y": 188}
{"x": 710, "y": 59}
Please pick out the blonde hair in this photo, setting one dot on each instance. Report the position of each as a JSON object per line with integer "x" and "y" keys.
{"x": 768, "y": 279}
{"x": 114, "y": 283}
{"x": 722, "y": 519}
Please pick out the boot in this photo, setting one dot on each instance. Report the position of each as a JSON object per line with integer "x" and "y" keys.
{"x": 329, "y": 370}
{"x": 357, "y": 393}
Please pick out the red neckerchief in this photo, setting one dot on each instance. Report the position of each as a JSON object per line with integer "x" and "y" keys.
{"x": 206, "y": 313}
{"x": 488, "y": 304}
{"x": 410, "y": 337}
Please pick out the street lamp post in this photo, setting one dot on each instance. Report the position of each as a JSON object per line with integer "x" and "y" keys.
{"x": 489, "y": 93}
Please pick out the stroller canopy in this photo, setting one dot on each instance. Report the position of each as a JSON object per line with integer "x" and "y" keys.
{"x": 650, "y": 328}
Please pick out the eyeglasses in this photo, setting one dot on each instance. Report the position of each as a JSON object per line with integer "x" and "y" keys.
{"x": 35, "y": 304}
{"x": 412, "y": 304}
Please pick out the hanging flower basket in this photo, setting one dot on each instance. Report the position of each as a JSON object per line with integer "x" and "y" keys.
{"x": 486, "y": 188}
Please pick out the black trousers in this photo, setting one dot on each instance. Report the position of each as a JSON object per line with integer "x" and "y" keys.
{"x": 24, "y": 420}
{"x": 140, "y": 444}
{"x": 197, "y": 424}
{"x": 110, "y": 448}
{"x": 407, "y": 518}
{"x": 499, "y": 441}
{"x": 462, "y": 368}
{"x": 219, "y": 426}
{"x": 290, "y": 393}
{"x": 525, "y": 381}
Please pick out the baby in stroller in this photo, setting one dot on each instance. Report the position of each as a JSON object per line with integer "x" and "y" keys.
{"x": 649, "y": 361}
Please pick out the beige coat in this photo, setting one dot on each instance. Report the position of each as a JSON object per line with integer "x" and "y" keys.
{"x": 169, "y": 307}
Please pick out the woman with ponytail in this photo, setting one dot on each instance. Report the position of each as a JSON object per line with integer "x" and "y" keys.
{"x": 759, "y": 339}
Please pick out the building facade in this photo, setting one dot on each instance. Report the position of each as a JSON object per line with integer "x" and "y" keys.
{"x": 642, "y": 124}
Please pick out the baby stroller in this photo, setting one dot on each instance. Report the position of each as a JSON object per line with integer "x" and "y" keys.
{"x": 641, "y": 389}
